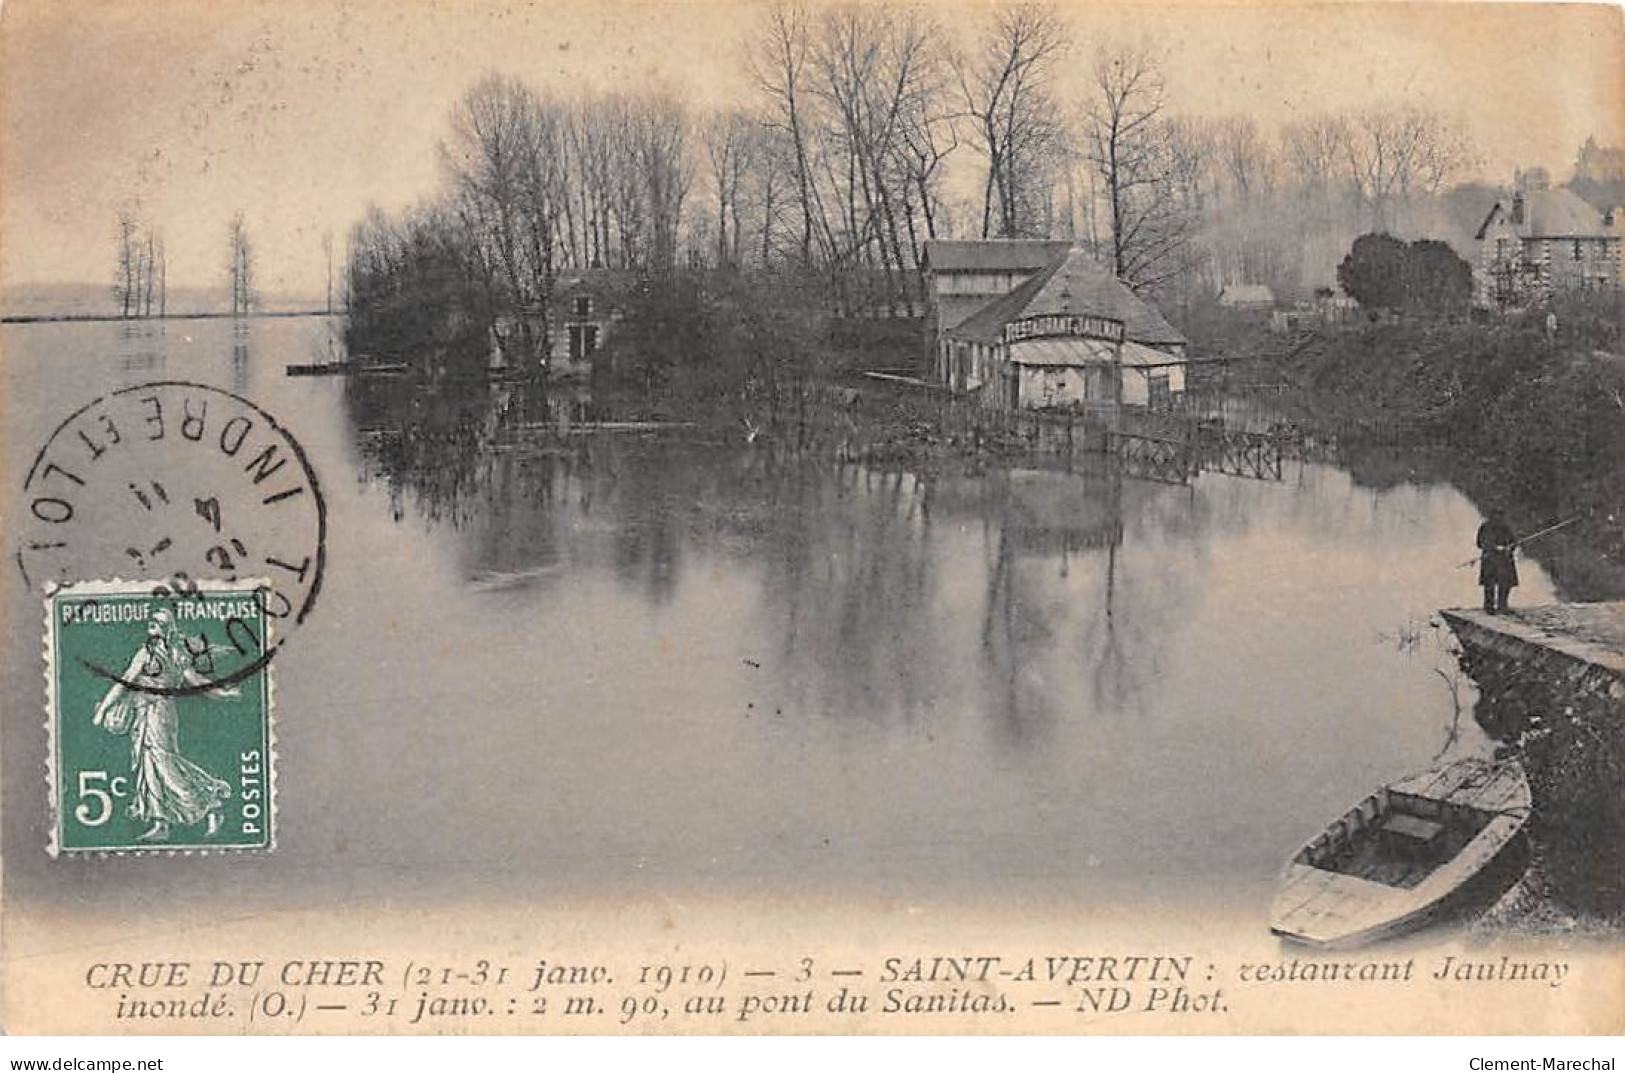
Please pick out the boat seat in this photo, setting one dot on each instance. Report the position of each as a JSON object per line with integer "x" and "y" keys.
{"x": 1411, "y": 836}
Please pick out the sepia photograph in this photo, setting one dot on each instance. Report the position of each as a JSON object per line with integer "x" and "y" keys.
{"x": 812, "y": 517}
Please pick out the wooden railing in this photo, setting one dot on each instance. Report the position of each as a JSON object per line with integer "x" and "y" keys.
{"x": 1154, "y": 458}
{"x": 878, "y": 420}
{"x": 1243, "y": 454}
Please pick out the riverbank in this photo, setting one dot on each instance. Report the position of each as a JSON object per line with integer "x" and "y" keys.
{"x": 1550, "y": 685}
{"x": 1519, "y": 420}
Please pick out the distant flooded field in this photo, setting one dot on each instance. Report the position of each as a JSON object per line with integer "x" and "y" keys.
{"x": 643, "y": 662}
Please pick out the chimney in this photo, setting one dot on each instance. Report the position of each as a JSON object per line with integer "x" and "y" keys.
{"x": 1517, "y": 207}
{"x": 1527, "y": 179}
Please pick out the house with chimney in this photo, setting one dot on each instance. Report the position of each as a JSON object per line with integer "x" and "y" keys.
{"x": 1542, "y": 241}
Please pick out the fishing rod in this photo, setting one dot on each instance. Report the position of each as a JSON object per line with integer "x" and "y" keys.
{"x": 1527, "y": 539}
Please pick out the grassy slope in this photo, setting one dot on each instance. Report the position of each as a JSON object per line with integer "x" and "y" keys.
{"x": 1532, "y": 424}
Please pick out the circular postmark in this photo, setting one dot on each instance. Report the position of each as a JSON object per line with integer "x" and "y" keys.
{"x": 185, "y": 487}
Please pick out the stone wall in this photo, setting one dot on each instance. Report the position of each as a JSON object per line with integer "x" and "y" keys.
{"x": 1565, "y": 719}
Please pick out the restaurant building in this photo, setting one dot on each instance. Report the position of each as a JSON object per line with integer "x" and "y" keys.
{"x": 1071, "y": 337}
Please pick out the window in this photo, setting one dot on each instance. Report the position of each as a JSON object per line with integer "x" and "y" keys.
{"x": 583, "y": 306}
{"x": 583, "y": 341}
{"x": 1159, "y": 395}
{"x": 1579, "y": 253}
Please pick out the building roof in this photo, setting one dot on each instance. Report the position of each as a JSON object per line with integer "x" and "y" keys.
{"x": 1246, "y": 294}
{"x": 953, "y": 309}
{"x": 1559, "y": 213}
{"x": 1138, "y": 356}
{"x": 992, "y": 254}
{"x": 1064, "y": 353}
{"x": 1074, "y": 285}
{"x": 606, "y": 281}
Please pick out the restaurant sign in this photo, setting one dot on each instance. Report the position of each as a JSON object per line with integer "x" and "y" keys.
{"x": 1064, "y": 324}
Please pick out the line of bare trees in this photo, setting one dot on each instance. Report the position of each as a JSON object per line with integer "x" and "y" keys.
{"x": 840, "y": 167}
{"x": 142, "y": 274}
{"x": 1282, "y": 207}
{"x": 837, "y": 169}
{"x": 861, "y": 108}
{"x": 855, "y": 121}
{"x": 533, "y": 185}
{"x": 141, "y": 279}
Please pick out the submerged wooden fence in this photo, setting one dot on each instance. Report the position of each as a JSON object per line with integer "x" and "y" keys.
{"x": 893, "y": 417}
{"x": 1155, "y": 458}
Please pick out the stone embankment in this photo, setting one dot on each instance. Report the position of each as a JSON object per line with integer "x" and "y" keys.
{"x": 1551, "y": 683}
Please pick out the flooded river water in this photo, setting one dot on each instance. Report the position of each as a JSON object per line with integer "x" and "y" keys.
{"x": 650, "y": 662}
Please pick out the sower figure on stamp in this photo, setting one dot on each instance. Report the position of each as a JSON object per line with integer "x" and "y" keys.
{"x": 169, "y": 789}
{"x": 1497, "y": 570}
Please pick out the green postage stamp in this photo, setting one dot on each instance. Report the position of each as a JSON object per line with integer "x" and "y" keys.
{"x": 158, "y": 704}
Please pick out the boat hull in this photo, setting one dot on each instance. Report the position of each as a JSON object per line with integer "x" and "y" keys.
{"x": 1325, "y": 902}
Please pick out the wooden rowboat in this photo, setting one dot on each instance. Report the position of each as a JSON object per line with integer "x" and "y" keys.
{"x": 1406, "y": 854}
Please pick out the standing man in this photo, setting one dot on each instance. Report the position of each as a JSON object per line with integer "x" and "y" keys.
{"x": 1497, "y": 571}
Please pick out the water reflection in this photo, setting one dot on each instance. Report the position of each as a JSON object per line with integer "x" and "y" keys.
{"x": 141, "y": 346}
{"x": 862, "y": 572}
{"x": 664, "y": 659}
{"x": 241, "y": 354}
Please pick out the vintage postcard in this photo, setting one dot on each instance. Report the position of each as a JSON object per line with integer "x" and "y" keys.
{"x": 795, "y": 516}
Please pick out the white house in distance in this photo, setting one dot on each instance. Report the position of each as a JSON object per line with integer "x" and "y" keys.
{"x": 1254, "y": 298}
{"x": 1070, "y": 335}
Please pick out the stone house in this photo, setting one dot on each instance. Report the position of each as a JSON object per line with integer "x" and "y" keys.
{"x": 1542, "y": 241}
{"x": 585, "y": 310}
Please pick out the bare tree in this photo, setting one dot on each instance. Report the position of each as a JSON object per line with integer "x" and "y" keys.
{"x": 769, "y": 188}
{"x": 927, "y": 136}
{"x": 1247, "y": 157}
{"x": 1313, "y": 150}
{"x": 875, "y": 73}
{"x": 327, "y": 252}
{"x": 241, "y": 266}
{"x": 163, "y": 279}
{"x": 1242, "y": 233}
{"x": 149, "y": 267}
{"x": 661, "y": 138}
{"x": 729, "y": 141}
{"x": 777, "y": 63}
{"x": 497, "y": 159}
{"x": 127, "y": 283}
{"x": 589, "y": 135}
{"x": 1004, "y": 82}
{"x": 542, "y": 196}
{"x": 1192, "y": 156}
{"x": 1393, "y": 154}
{"x": 1313, "y": 154}
{"x": 1136, "y": 153}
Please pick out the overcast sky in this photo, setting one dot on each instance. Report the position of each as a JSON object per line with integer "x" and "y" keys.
{"x": 302, "y": 113}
